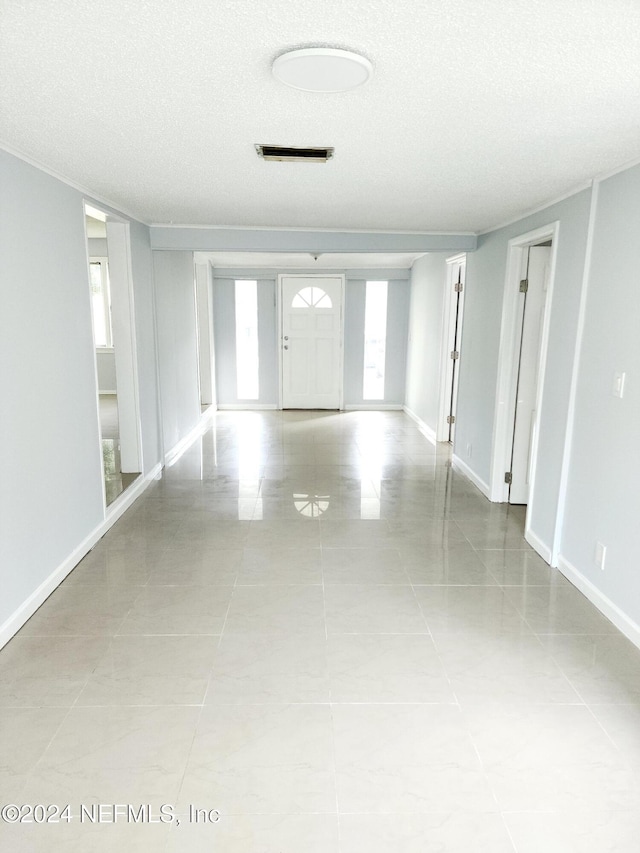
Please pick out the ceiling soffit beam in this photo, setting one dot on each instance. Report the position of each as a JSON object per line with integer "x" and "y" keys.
{"x": 265, "y": 240}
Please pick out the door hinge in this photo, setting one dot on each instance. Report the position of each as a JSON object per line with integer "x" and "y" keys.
{"x": 451, "y": 419}
{"x": 524, "y": 285}
{"x": 455, "y": 354}
{"x": 507, "y": 477}
{"x": 458, "y": 287}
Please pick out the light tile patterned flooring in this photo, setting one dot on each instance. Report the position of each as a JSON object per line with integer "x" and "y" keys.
{"x": 315, "y": 626}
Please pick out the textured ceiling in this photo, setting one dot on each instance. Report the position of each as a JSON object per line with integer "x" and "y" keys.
{"x": 477, "y": 110}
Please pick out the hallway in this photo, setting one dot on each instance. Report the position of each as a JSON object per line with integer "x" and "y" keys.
{"x": 313, "y": 625}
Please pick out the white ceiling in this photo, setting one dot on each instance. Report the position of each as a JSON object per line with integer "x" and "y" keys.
{"x": 477, "y": 110}
{"x": 306, "y": 261}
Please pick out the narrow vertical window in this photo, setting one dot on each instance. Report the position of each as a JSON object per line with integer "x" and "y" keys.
{"x": 247, "y": 339}
{"x": 375, "y": 340}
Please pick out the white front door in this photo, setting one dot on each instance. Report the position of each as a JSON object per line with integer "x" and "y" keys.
{"x": 311, "y": 341}
{"x": 533, "y": 302}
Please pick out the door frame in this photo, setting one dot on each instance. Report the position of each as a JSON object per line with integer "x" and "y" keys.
{"x": 448, "y": 336}
{"x": 124, "y": 340}
{"x": 508, "y": 362}
{"x": 279, "y": 304}
{"x": 204, "y": 333}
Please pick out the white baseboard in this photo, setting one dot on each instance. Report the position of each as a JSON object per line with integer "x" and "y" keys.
{"x": 172, "y": 456}
{"x": 247, "y": 407}
{"x": 122, "y": 503}
{"x": 26, "y": 610}
{"x": 373, "y": 407}
{"x": 538, "y": 545}
{"x": 424, "y": 428}
{"x": 614, "y": 614}
{"x": 461, "y": 466}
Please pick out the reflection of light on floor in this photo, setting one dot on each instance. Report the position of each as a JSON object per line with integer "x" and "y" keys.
{"x": 248, "y": 489}
{"x": 370, "y": 506}
{"x": 115, "y": 482}
{"x": 246, "y": 509}
{"x": 249, "y": 446}
{"x": 214, "y": 441}
{"x": 371, "y": 470}
{"x": 311, "y": 506}
{"x": 250, "y": 463}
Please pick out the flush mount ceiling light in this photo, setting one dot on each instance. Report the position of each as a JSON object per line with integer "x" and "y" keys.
{"x": 322, "y": 69}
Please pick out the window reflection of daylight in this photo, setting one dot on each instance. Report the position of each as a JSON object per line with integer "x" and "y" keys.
{"x": 370, "y": 505}
{"x": 246, "y": 509}
{"x": 214, "y": 442}
{"x": 311, "y": 506}
{"x": 249, "y": 447}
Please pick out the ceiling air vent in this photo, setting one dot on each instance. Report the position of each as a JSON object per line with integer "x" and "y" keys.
{"x": 300, "y": 155}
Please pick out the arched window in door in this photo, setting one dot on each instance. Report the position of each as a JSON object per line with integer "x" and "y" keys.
{"x": 311, "y": 297}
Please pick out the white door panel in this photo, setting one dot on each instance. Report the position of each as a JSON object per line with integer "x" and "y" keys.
{"x": 533, "y": 306}
{"x": 311, "y": 341}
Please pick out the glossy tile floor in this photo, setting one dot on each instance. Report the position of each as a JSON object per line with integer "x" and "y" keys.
{"x": 316, "y": 627}
{"x": 115, "y": 482}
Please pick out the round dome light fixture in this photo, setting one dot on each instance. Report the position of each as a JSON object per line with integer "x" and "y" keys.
{"x": 322, "y": 69}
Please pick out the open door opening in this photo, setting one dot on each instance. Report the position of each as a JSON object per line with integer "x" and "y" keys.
{"x": 114, "y": 340}
{"x": 536, "y": 262}
{"x": 204, "y": 322}
{"x": 450, "y": 358}
{"x": 524, "y": 339}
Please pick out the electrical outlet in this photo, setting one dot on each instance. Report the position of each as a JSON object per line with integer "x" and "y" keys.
{"x": 600, "y": 555}
{"x": 618, "y": 384}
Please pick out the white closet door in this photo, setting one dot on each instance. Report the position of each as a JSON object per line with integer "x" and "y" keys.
{"x": 535, "y": 297}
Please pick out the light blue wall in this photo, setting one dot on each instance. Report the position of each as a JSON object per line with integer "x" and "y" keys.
{"x": 145, "y": 321}
{"x": 224, "y": 318}
{"x": 398, "y": 295}
{"x": 428, "y": 282}
{"x": 476, "y": 410}
{"x": 354, "y": 306}
{"x": 177, "y": 344}
{"x": 98, "y": 247}
{"x": 602, "y": 499}
{"x": 51, "y": 483}
{"x": 303, "y": 240}
{"x": 106, "y": 363}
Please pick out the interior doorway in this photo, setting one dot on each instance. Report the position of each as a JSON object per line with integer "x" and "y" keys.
{"x": 110, "y": 277}
{"x": 521, "y": 368}
{"x": 533, "y": 289}
{"x": 204, "y": 337}
{"x": 311, "y": 338}
{"x": 450, "y": 359}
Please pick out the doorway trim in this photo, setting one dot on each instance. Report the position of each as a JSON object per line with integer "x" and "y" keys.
{"x": 508, "y": 366}
{"x": 343, "y": 287}
{"x": 448, "y": 337}
{"x": 124, "y": 334}
{"x": 204, "y": 334}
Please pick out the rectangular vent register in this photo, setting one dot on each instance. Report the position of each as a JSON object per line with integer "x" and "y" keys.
{"x": 294, "y": 155}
